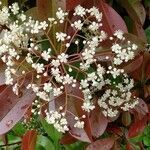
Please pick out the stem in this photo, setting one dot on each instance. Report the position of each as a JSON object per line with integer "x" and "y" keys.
{"x": 51, "y": 43}
{"x": 16, "y": 143}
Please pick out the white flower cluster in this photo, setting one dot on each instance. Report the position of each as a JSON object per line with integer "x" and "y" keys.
{"x": 58, "y": 120}
{"x": 93, "y": 82}
{"x": 123, "y": 53}
{"x": 118, "y": 98}
{"x": 21, "y": 49}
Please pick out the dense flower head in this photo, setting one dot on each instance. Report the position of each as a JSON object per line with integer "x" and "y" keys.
{"x": 68, "y": 60}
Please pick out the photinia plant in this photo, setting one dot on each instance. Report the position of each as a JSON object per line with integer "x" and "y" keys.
{"x": 72, "y": 76}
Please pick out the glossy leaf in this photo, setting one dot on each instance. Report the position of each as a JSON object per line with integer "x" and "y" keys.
{"x": 98, "y": 123}
{"x": 73, "y": 97}
{"x": 13, "y": 108}
{"x": 50, "y": 130}
{"x": 45, "y": 142}
{"x": 44, "y": 9}
{"x": 103, "y": 144}
{"x": 67, "y": 139}
{"x": 135, "y": 9}
{"x": 29, "y": 140}
{"x": 137, "y": 127}
{"x": 142, "y": 107}
{"x": 71, "y": 4}
{"x": 112, "y": 21}
{"x": 134, "y": 64}
{"x": 139, "y": 31}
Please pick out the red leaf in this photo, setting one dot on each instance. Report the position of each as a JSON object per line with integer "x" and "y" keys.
{"x": 111, "y": 20}
{"x": 129, "y": 147}
{"x": 115, "y": 130}
{"x": 73, "y": 97}
{"x": 139, "y": 31}
{"x": 134, "y": 64}
{"x": 98, "y": 123}
{"x": 135, "y": 10}
{"x": 29, "y": 140}
{"x": 80, "y": 134}
{"x": 71, "y": 4}
{"x": 137, "y": 127}
{"x": 142, "y": 107}
{"x": 44, "y": 9}
{"x": 68, "y": 139}
{"x": 13, "y": 108}
{"x": 104, "y": 144}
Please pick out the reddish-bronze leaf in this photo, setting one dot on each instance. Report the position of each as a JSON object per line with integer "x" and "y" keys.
{"x": 103, "y": 144}
{"x": 139, "y": 31}
{"x": 135, "y": 9}
{"x": 44, "y": 9}
{"x": 134, "y": 64}
{"x": 13, "y": 108}
{"x": 98, "y": 123}
{"x": 68, "y": 139}
{"x": 75, "y": 98}
{"x": 129, "y": 146}
{"x": 142, "y": 107}
{"x": 72, "y": 99}
{"x": 116, "y": 146}
{"x": 112, "y": 21}
{"x": 137, "y": 127}
{"x": 80, "y": 134}
{"x": 71, "y": 4}
{"x": 29, "y": 140}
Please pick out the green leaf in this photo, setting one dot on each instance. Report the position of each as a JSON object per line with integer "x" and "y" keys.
{"x": 146, "y": 141}
{"x": 39, "y": 147}
{"x": 19, "y": 129}
{"x": 147, "y": 31}
{"x": 136, "y": 139}
{"x": 50, "y": 130}
{"x": 45, "y": 143}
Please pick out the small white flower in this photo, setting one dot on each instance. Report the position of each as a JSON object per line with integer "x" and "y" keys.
{"x": 78, "y": 24}
{"x": 47, "y": 87}
{"x": 95, "y": 12}
{"x": 39, "y": 67}
{"x": 119, "y": 34}
{"x": 94, "y": 26}
{"x": 15, "y": 8}
{"x": 87, "y": 106}
{"x": 60, "y": 36}
{"x": 60, "y": 14}
{"x": 57, "y": 91}
{"x": 63, "y": 57}
{"x": 80, "y": 11}
{"x": 46, "y": 56}
{"x": 43, "y": 25}
{"x": 55, "y": 71}
{"x": 55, "y": 63}
{"x": 79, "y": 124}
